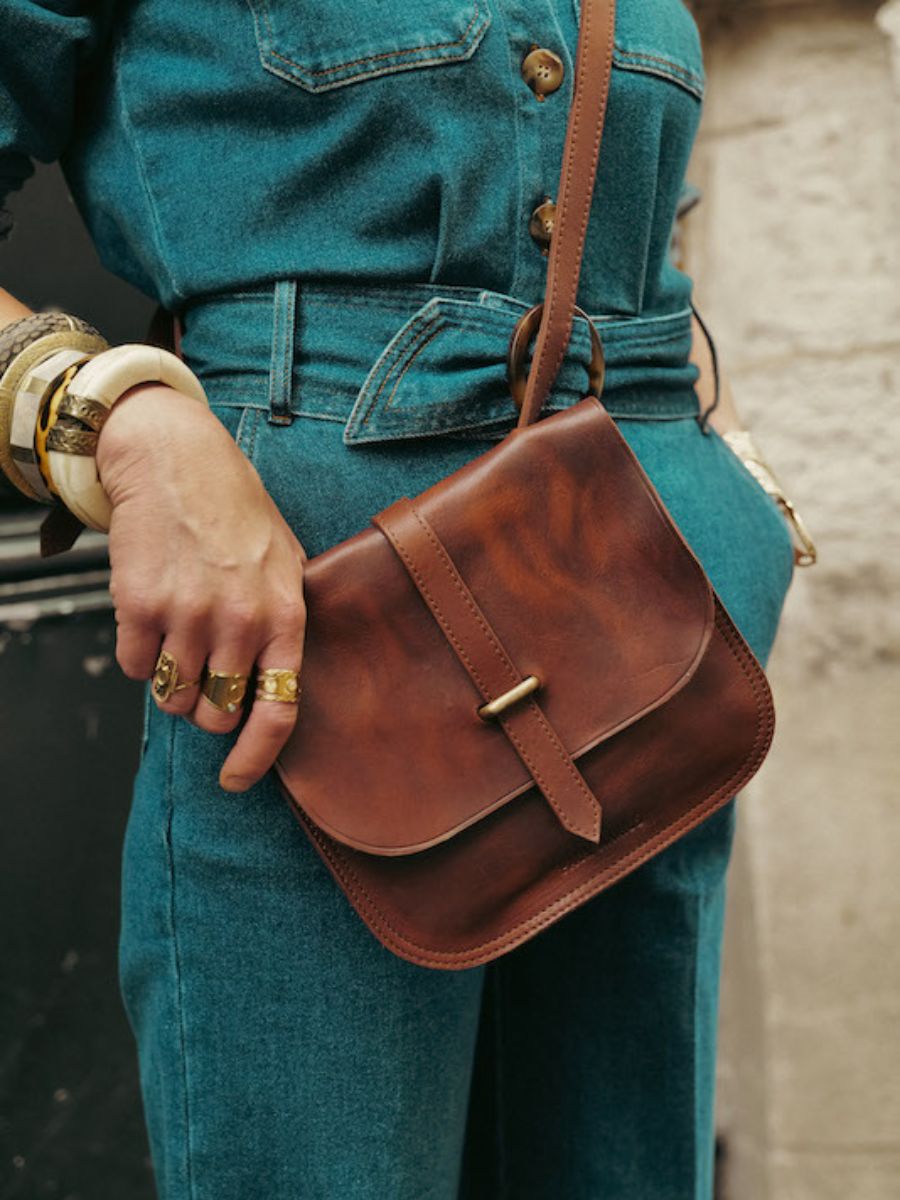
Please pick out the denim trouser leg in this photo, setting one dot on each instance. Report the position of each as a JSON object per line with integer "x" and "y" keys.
{"x": 595, "y": 1069}
{"x": 285, "y": 1053}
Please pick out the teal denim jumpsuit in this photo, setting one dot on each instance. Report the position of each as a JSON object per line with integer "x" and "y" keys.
{"x": 336, "y": 196}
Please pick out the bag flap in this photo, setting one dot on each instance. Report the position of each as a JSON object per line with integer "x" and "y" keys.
{"x": 583, "y": 576}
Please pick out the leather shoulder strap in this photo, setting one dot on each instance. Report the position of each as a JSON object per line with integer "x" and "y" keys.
{"x": 573, "y": 205}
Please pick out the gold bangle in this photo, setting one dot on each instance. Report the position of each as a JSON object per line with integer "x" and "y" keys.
{"x": 742, "y": 444}
{"x": 46, "y": 422}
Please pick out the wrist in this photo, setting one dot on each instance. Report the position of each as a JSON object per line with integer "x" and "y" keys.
{"x": 143, "y": 421}
{"x": 89, "y": 400}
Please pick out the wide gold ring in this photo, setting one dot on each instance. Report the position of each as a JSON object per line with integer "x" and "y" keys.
{"x": 275, "y": 683}
{"x": 166, "y": 681}
{"x": 225, "y": 690}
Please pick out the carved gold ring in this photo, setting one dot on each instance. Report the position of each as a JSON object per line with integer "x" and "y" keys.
{"x": 166, "y": 681}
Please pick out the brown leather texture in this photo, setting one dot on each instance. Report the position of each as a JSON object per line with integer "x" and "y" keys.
{"x": 455, "y": 838}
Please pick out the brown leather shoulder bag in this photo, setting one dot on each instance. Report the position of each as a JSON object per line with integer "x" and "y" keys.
{"x": 521, "y": 684}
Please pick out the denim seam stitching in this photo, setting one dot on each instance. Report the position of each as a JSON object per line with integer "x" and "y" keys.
{"x": 163, "y": 259}
{"x": 393, "y": 357}
{"x": 663, "y": 61}
{"x": 303, "y": 69}
{"x": 250, "y": 448}
{"x": 423, "y": 344}
{"x": 646, "y": 68}
{"x": 695, "y": 1091}
{"x": 362, "y": 303}
{"x": 244, "y": 418}
{"x": 176, "y": 957}
{"x": 516, "y": 242}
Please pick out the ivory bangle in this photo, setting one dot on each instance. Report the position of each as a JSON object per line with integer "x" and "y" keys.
{"x": 104, "y": 379}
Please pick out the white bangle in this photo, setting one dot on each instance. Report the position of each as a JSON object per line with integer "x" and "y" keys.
{"x": 102, "y": 381}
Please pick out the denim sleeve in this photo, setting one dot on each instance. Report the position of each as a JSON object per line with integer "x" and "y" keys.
{"x": 47, "y": 47}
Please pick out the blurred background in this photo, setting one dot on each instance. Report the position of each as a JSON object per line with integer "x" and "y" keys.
{"x": 796, "y": 252}
{"x": 795, "y": 248}
{"x": 70, "y": 1115}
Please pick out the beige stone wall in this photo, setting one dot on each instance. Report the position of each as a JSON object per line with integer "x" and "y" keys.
{"x": 796, "y": 253}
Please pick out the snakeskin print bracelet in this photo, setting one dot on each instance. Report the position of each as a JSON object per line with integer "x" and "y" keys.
{"x": 21, "y": 333}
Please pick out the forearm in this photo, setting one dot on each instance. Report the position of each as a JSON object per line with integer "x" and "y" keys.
{"x": 11, "y": 309}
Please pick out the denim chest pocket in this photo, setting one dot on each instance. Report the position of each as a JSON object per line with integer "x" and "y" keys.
{"x": 324, "y": 44}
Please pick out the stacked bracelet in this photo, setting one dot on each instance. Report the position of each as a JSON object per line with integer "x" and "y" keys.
{"x": 87, "y": 402}
{"x": 58, "y": 382}
{"x": 16, "y": 459}
{"x": 19, "y": 335}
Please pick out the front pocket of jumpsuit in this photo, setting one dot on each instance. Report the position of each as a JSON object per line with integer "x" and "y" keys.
{"x": 326, "y": 45}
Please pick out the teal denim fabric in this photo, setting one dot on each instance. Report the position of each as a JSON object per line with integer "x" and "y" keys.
{"x": 219, "y": 143}
{"x": 336, "y": 195}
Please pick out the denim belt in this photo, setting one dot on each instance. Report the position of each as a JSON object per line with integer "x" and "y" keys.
{"x": 411, "y": 360}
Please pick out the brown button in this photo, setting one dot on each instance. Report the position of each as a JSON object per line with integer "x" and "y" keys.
{"x": 543, "y": 71}
{"x": 540, "y": 226}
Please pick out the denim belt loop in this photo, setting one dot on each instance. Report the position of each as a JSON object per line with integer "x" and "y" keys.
{"x": 281, "y": 369}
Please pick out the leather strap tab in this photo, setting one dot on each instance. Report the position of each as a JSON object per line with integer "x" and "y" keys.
{"x": 581, "y": 152}
{"x": 480, "y": 651}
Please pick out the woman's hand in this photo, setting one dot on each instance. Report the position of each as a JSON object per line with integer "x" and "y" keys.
{"x": 203, "y": 565}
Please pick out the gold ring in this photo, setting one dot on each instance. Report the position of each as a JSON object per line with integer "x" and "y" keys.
{"x": 283, "y": 686}
{"x": 165, "y": 678}
{"x": 225, "y": 690}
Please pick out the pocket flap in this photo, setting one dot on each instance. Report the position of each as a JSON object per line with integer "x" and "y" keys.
{"x": 324, "y": 46}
